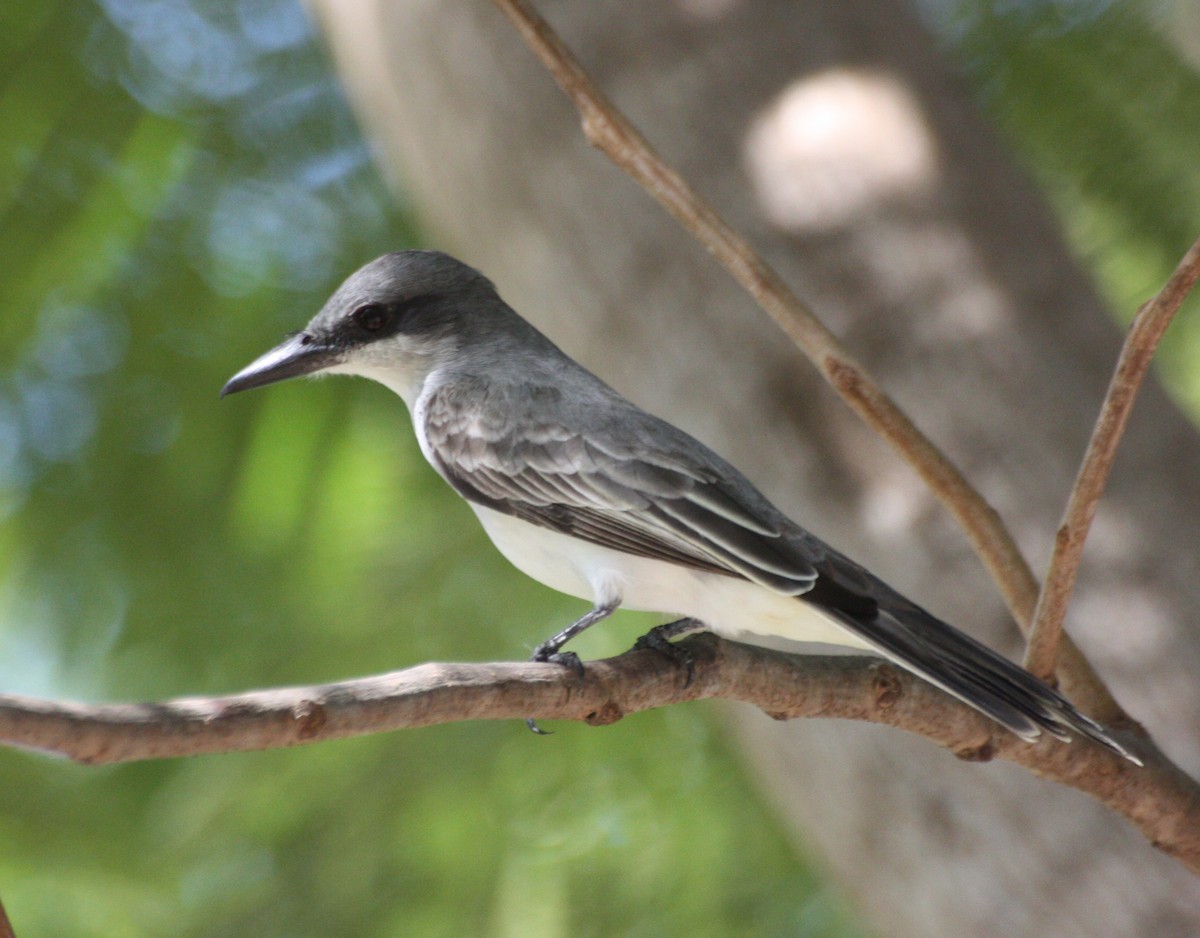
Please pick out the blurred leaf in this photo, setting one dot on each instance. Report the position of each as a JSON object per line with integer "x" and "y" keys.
{"x": 1103, "y": 108}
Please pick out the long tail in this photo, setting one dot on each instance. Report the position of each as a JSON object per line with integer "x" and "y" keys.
{"x": 976, "y": 675}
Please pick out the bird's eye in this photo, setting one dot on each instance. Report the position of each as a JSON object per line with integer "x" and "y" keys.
{"x": 372, "y": 317}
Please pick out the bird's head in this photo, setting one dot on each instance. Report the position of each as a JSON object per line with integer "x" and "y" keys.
{"x": 394, "y": 320}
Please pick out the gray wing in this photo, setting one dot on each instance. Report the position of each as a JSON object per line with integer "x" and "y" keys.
{"x": 634, "y": 484}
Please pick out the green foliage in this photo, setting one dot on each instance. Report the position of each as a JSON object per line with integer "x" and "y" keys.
{"x": 1102, "y": 106}
{"x": 168, "y": 207}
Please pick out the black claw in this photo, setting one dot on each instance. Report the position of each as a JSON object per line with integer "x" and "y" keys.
{"x": 548, "y": 653}
{"x": 568, "y": 659}
{"x": 659, "y": 639}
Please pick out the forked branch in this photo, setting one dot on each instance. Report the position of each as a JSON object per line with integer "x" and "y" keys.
{"x": 1141, "y": 342}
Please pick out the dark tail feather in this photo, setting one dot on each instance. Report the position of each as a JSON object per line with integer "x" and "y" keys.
{"x": 978, "y": 676}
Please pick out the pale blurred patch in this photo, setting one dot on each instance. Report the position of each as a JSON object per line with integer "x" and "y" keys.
{"x": 835, "y": 144}
{"x": 707, "y": 9}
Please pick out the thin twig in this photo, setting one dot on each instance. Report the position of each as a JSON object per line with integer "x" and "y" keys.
{"x": 6, "y": 929}
{"x": 1141, "y": 342}
{"x": 1159, "y": 799}
{"x": 612, "y": 133}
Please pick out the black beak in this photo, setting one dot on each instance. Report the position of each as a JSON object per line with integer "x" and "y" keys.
{"x": 299, "y": 354}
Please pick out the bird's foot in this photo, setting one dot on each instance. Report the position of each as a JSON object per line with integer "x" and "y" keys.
{"x": 660, "y": 637}
{"x": 549, "y": 654}
{"x": 548, "y": 650}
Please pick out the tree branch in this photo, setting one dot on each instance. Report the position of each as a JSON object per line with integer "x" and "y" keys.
{"x": 611, "y": 132}
{"x": 1141, "y": 342}
{"x": 1162, "y": 801}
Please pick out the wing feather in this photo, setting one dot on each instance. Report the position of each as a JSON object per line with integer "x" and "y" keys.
{"x": 617, "y": 490}
{"x": 764, "y": 553}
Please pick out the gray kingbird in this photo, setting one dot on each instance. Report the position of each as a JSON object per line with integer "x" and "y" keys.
{"x": 594, "y": 497}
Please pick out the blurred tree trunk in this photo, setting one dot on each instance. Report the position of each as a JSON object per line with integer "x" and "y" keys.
{"x": 833, "y": 134}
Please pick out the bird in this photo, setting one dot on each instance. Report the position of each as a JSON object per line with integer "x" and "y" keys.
{"x": 586, "y": 492}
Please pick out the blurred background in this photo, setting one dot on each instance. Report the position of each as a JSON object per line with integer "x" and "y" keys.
{"x": 181, "y": 183}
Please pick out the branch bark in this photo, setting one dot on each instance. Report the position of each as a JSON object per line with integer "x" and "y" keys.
{"x": 1161, "y": 801}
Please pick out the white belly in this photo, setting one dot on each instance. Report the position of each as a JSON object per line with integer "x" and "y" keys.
{"x": 730, "y": 606}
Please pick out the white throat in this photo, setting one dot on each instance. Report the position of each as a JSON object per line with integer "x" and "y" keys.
{"x": 406, "y": 382}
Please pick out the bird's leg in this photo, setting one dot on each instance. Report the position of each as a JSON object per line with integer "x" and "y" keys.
{"x": 660, "y": 638}
{"x": 549, "y": 649}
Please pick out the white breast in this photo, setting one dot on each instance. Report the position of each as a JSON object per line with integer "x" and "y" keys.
{"x": 730, "y": 606}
